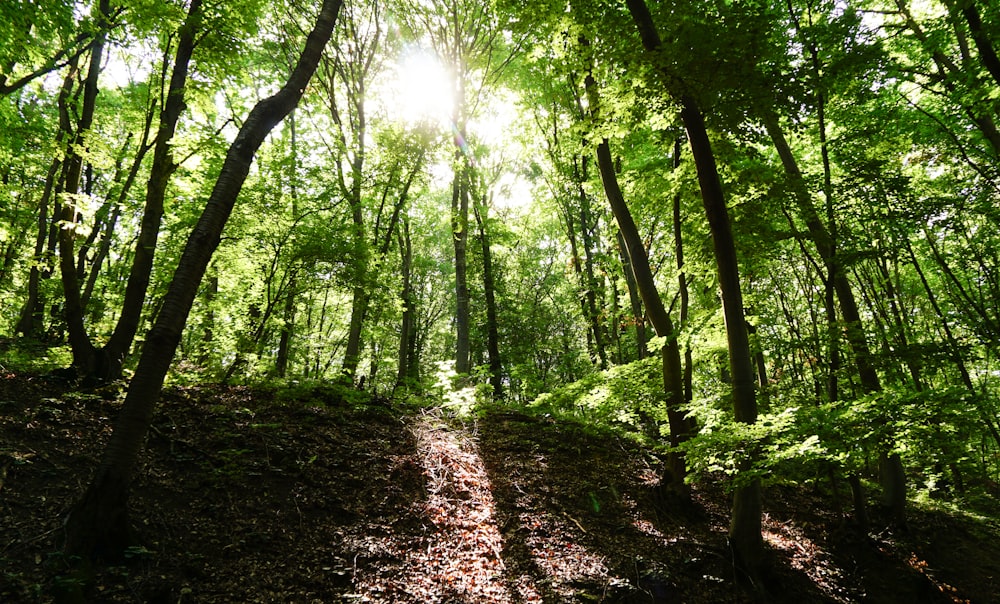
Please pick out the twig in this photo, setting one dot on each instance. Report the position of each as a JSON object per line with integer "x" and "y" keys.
{"x": 576, "y": 522}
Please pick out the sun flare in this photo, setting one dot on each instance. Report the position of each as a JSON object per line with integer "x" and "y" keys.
{"x": 422, "y": 89}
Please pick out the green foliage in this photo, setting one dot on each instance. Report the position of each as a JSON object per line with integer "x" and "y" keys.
{"x": 930, "y": 429}
{"x": 322, "y": 393}
{"x": 627, "y": 397}
{"x": 775, "y": 447}
{"x": 29, "y": 357}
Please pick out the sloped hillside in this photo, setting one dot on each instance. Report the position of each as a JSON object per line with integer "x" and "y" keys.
{"x": 253, "y": 496}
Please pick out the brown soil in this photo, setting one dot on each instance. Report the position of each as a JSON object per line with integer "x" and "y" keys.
{"x": 246, "y": 498}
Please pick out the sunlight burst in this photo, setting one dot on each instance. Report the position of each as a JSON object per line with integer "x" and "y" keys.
{"x": 422, "y": 90}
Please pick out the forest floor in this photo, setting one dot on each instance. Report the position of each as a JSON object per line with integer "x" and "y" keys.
{"x": 245, "y": 496}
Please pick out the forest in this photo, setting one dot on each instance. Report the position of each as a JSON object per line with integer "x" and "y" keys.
{"x": 504, "y": 301}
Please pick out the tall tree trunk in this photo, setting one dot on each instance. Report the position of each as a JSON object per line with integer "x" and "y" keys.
{"x": 592, "y": 288}
{"x": 745, "y": 526}
{"x": 760, "y": 364}
{"x": 682, "y": 281}
{"x": 574, "y": 247}
{"x": 83, "y": 349}
{"x": 112, "y": 356}
{"x": 98, "y": 525}
{"x": 407, "y": 328}
{"x": 460, "y": 239}
{"x": 287, "y": 327}
{"x": 31, "y": 320}
{"x": 359, "y": 295}
{"x": 987, "y": 54}
{"x": 891, "y": 471}
{"x": 745, "y": 536}
{"x": 673, "y": 377}
{"x": 291, "y": 296}
{"x": 32, "y": 315}
{"x": 489, "y": 288}
{"x": 954, "y": 349}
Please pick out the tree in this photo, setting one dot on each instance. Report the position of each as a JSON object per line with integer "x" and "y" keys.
{"x": 745, "y": 525}
{"x": 106, "y": 363}
{"x": 481, "y": 208}
{"x": 354, "y": 66}
{"x": 466, "y": 36}
{"x": 98, "y": 525}
{"x": 673, "y": 377}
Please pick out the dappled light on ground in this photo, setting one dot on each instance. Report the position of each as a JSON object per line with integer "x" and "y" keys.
{"x": 460, "y": 559}
{"x": 804, "y": 555}
{"x": 552, "y": 543}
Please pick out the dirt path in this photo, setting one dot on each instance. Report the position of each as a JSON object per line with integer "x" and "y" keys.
{"x": 461, "y": 558}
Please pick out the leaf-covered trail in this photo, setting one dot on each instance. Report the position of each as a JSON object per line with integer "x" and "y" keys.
{"x": 463, "y": 555}
{"x": 460, "y": 558}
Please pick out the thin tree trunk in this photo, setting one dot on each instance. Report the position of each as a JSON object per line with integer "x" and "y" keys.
{"x": 987, "y": 54}
{"x": 359, "y": 294}
{"x": 673, "y": 377}
{"x": 31, "y": 321}
{"x": 953, "y": 347}
{"x": 635, "y": 301}
{"x": 291, "y": 296}
{"x": 407, "y": 324}
{"x": 460, "y": 238}
{"x": 682, "y": 281}
{"x": 892, "y": 473}
{"x": 117, "y": 347}
{"x": 489, "y": 287}
{"x": 109, "y": 227}
{"x": 33, "y": 312}
{"x": 98, "y": 525}
{"x": 577, "y": 262}
{"x": 745, "y": 536}
{"x": 592, "y": 287}
{"x": 745, "y": 526}
{"x": 208, "y": 322}
{"x": 83, "y": 349}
